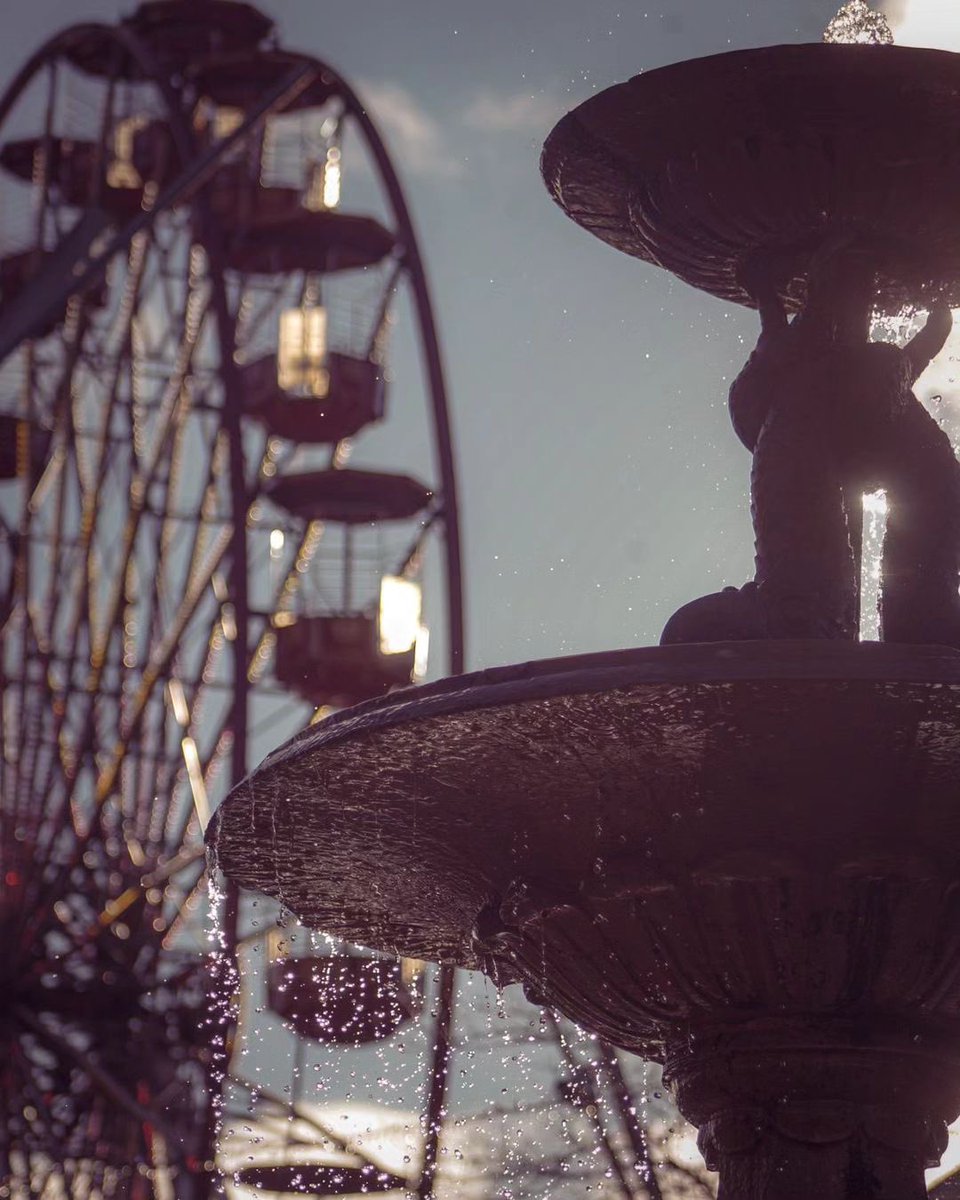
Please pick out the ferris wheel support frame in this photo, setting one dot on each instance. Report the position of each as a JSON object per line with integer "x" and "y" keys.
{"x": 55, "y": 285}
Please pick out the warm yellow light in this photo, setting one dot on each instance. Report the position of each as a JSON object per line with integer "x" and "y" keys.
{"x": 302, "y": 352}
{"x": 331, "y": 178}
{"x": 401, "y": 602}
{"x": 411, "y": 969}
{"x": 226, "y": 120}
{"x": 191, "y": 757}
{"x": 421, "y": 652}
{"x": 121, "y": 173}
{"x": 228, "y": 621}
{"x": 323, "y": 189}
{"x": 178, "y": 702}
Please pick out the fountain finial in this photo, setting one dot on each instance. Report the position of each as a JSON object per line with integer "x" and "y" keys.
{"x": 857, "y": 22}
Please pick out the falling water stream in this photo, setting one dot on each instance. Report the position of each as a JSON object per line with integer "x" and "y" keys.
{"x": 857, "y": 22}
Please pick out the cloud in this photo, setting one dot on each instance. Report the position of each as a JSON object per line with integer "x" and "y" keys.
{"x": 520, "y": 113}
{"x": 415, "y": 138}
{"x": 934, "y": 23}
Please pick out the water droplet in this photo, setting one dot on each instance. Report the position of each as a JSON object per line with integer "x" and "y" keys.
{"x": 857, "y": 22}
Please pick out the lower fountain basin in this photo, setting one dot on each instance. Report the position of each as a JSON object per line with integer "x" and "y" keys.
{"x": 654, "y": 841}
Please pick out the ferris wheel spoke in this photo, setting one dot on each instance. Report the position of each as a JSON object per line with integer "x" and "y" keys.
{"x": 171, "y": 410}
{"x": 120, "y": 570}
{"x": 189, "y": 692}
{"x": 90, "y": 496}
{"x": 108, "y": 773}
{"x": 34, "y": 638}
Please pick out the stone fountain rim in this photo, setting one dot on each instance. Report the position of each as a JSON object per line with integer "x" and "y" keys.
{"x": 291, "y": 829}
{"x": 766, "y": 660}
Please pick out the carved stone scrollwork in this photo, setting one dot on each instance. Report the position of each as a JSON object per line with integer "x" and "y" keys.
{"x": 831, "y": 1114}
{"x": 735, "y": 940}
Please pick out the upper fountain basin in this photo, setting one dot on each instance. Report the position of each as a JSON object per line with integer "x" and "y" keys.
{"x": 714, "y": 167}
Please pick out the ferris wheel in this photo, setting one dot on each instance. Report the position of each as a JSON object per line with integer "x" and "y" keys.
{"x": 193, "y": 330}
{"x": 194, "y": 338}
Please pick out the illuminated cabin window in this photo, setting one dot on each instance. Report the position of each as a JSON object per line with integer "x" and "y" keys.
{"x": 400, "y": 622}
{"x": 121, "y": 173}
{"x": 302, "y": 352}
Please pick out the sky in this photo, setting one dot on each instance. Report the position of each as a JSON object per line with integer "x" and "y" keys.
{"x": 601, "y": 484}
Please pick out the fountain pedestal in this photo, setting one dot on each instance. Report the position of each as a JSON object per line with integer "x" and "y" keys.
{"x": 807, "y": 1107}
{"x": 741, "y": 860}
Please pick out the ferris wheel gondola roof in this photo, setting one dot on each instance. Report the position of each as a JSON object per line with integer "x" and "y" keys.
{"x": 177, "y": 33}
{"x": 352, "y": 497}
{"x": 239, "y": 80}
{"x": 74, "y": 165}
{"x": 343, "y": 999}
{"x": 319, "y": 1180}
{"x": 355, "y": 399}
{"x": 321, "y": 242}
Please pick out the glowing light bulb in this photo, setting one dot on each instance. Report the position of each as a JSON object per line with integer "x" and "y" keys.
{"x": 226, "y": 120}
{"x": 178, "y": 702}
{"x": 331, "y": 178}
{"x": 323, "y": 186}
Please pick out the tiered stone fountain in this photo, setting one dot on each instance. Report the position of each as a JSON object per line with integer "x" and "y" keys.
{"x": 738, "y": 853}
